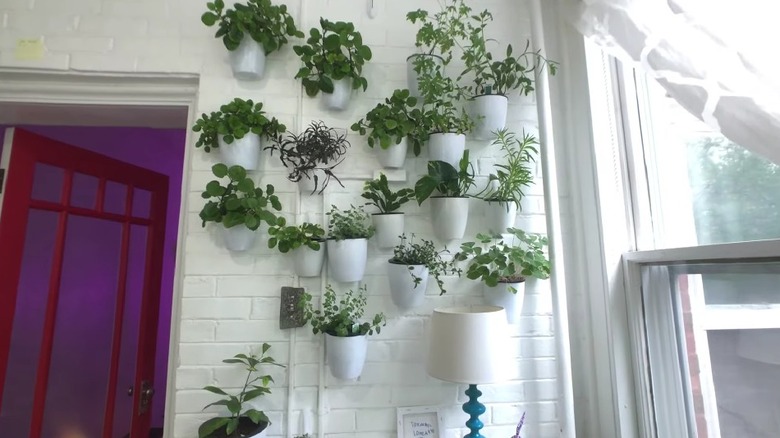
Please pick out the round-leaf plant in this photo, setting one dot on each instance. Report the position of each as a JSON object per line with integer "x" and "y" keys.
{"x": 290, "y": 237}
{"x": 509, "y": 181}
{"x": 239, "y": 202}
{"x": 378, "y": 194}
{"x": 336, "y": 51}
{"x": 390, "y": 122}
{"x": 233, "y": 121}
{"x": 264, "y": 22}
{"x": 341, "y": 318}
{"x": 504, "y": 262}
{"x": 408, "y": 252}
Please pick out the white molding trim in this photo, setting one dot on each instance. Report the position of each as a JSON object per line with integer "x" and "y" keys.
{"x": 122, "y": 90}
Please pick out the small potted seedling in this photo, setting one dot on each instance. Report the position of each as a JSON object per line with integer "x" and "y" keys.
{"x": 305, "y": 242}
{"x": 388, "y": 222}
{"x": 346, "y": 334}
{"x": 447, "y": 187}
{"x": 411, "y": 266}
{"x": 236, "y": 131}
{"x": 239, "y": 206}
{"x": 504, "y": 266}
{"x": 348, "y": 234}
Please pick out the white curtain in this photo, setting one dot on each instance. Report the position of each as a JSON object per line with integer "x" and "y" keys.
{"x": 718, "y": 58}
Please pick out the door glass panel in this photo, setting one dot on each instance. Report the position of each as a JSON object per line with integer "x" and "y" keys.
{"x": 81, "y": 352}
{"x": 136, "y": 267}
{"x": 84, "y": 191}
{"x": 142, "y": 202}
{"x": 115, "y": 198}
{"x": 28, "y": 324}
{"x": 47, "y": 183}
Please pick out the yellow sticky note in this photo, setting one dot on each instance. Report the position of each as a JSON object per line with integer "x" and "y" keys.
{"x": 29, "y": 49}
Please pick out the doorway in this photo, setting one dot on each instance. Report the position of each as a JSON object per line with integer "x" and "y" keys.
{"x": 134, "y": 133}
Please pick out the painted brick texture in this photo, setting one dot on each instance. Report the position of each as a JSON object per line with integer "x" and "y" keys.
{"x": 229, "y": 302}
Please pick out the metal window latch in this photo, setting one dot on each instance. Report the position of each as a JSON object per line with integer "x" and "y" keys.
{"x": 146, "y": 397}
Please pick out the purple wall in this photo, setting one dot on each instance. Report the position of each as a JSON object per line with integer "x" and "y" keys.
{"x": 160, "y": 150}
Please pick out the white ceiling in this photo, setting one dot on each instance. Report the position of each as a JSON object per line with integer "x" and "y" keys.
{"x": 140, "y": 116}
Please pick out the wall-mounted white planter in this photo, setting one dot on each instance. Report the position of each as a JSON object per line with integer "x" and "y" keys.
{"x": 447, "y": 147}
{"x": 405, "y": 294}
{"x": 244, "y": 152}
{"x": 346, "y": 355}
{"x": 489, "y": 113}
{"x": 338, "y": 100}
{"x": 388, "y": 227}
{"x": 248, "y": 60}
{"x": 449, "y": 216}
{"x": 394, "y": 156}
{"x": 502, "y": 296}
{"x": 238, "y": 237}
{"x": 499, "y": 216}
{"x": 306, "y": 185}
{"x": 347, "y": 259}
{"x": 308, "y": 262}
{"x": 412, "y": 81}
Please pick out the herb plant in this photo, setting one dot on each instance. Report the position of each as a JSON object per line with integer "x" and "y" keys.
{"x": 254, "y": 387}
{"x": 264, "y": 22}
{"x": 440, "y": 114}
{"x": 442, "y": 31}
{"x": 502, "y": 262}
{"x": 378, "y": 193}
{"x": 336, "y": 52}
{"x": 290, "y": 237}
{"x": 233, "y": 121}
{"x": 390, "y": 122}
{"x": 341, "y": 318}
{"x": 350, "y": 224}
{"x": 317, "y": 148}
{"x": 509, "y": 181}
{"x": 408, "y": 252}
{"x": 446, "y": 179}
{"x": 238, "y": 202}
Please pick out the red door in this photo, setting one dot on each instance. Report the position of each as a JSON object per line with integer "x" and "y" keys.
{"x": 81, "y": 247}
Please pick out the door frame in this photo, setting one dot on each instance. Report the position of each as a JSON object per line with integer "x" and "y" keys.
{"x": 122, "y": 90}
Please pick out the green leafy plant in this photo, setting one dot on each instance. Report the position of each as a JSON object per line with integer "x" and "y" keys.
{"x": 442, "y": 31}
{"x": 440, "y": 114}
{"x": 332, "y": 53}
{"x": 446, "y": 179}
{"x": 499, "y": 76}
{"x": 264, "y": 22}
{"x": 233, "y": 121}
{"x": 408, "y": 252}
{"x": 504, "y": 262}
{"x": 254, "y": 387}
{"x": 341, "y": 318}
{"x": 509, "y": 181}
{"x": 290, "y": 237}
{"x": 350, "y": 224}
{"x": 378, "y": 193}
{"x": 390, "y": 122}
{"x": 317, "y": 148}
{"x": 238, "y": 202}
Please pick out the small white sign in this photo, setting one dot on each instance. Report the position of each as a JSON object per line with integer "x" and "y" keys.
{"x": 418, "y": 422}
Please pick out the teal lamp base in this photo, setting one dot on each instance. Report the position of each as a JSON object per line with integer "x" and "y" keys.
{"x": 474, "y": 408}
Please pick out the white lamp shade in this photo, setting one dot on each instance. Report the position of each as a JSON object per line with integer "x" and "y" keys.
{"x": 469, "y": 345}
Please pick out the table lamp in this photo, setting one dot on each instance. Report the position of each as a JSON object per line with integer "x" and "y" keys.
{"x": 470, "y": 345}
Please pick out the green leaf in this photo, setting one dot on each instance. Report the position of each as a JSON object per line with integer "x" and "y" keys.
{"x": 215, "y": 390}
{"x": 210, "y": 426}
{"x": 391, "y": 124}
{"x": 364, "y": 52}
{"x": 219, "y": 170}
{"x": 208, "y": 18}
{"x": 257, "y": 416}
{"x": 332, "y": 42}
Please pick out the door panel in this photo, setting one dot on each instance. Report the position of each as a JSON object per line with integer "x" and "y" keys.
{"x": 86, "y": 303}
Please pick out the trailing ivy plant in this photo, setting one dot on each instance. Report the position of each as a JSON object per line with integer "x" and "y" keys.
{"x": 503, "y": 262}
{"x": 290, "y": 237}
{"x": 509, "y": 181}
{"x": 408, "y": 252}
{"x": 264, "y": 22}
{"x": 317, "y": 148}
{"x": 254, "y": 386}
{"x": 392, "y": 121}
{"x": 336, "y": 51}
{"x": 378, "y": 193}
{"x": 444, "y": 178}
{"x": 341, "y": 318}
{"x": 233, "y": 121}
{"x": 238, "y": 202}
{"x": 350, "y": 224}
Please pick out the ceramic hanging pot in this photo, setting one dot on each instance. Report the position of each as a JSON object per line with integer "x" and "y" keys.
{"x": 248, "y": 60}
{"x": 338, "y": 100}
{"x": 244, "y": 152}
{"x": 388, "y": 227}
{"x": 404, "y": 293}
{"x": 347, "y": 259}
{"x": 489, "y": 114}
{"x": 447, "y": 147}
{"x": 238, "y": 238}
{"x": 394, "y": 156}
{"x": 346, "y": 355}
{"x": 449, "y": 216}
{"x": 499, "y": 216}
{"x": 502, "y": 295}
{"x": 308, "y": 262}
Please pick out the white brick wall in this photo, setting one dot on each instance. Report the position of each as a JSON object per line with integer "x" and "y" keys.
{"x": 230, "y": 302}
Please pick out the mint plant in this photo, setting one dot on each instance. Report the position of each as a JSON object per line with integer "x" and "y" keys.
{"x": 238, "y": 202}
{"x": 264, "y": 22}
{"x": 378, "y": 193}
{"x": 341, "y": 318}
{"x": 350, "y": 224}
{"x": 290, "y": 237}
{"x": 390, "y": 122}
{"x": 233, "y": 121}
